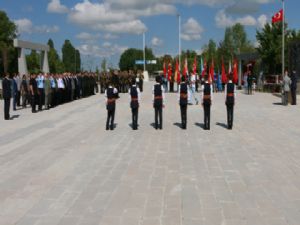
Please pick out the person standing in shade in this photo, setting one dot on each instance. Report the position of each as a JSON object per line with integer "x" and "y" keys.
{"x": 183, "y": 101}
{"x": 250, "y": 83}
{"x": 111, "y": 94}
{"x": 33, "y": 92}
{"x": 230, "y": 93}
{"x": 24, "y": 91}
{"x": 286, "y": 88}
{"x": 47, "y": 91}
{"x": 294, "y": 88}
{"x": 6, "y": 88}
{"x": 15, "y": 92}
{"x": 135, "y": 96}
{"x": 207, "y": 95}
{"x": 158, "y": 102}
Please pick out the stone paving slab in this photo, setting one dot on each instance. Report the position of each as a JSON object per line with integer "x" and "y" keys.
{"x": 61, "y": 167}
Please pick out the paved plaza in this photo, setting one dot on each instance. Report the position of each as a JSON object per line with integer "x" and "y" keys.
{"x": 60, "y": 167}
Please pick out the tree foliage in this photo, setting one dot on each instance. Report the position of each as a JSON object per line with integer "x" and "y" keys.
{"x": 70, "y": 57}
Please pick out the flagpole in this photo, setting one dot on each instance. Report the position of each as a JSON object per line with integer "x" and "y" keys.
{"x": 144, "y": 50}
{"x": 283, "y": 39}
{"x": 179, "y": 40}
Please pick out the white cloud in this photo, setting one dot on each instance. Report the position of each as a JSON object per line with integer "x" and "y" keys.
{"x": 106, "y": 50}
{"x": 84, "y": 36}
{"x": 156, "y": 42}
{"x": 222, "y": 20}
{"x": 110, "y": 36}
{"x": 192, "y": 30}
{"x": 26, "y": 26}
{"x": 55, "y": 6}
{"x": 262, "y": 21}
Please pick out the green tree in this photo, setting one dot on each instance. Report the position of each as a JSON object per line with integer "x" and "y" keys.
{"x": 270, "y": 47}
{"x": 71, "y": 57}
{"x": 8, "y": 31}
{"x": 33, "y": 62}
{"x": 104, "y": 65}
{"x": 55, "y": 64}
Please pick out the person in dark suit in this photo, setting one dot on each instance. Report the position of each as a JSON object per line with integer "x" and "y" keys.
{"x": 230, "y": 92}
{"x": 207, "y": 90}
{"x": 183, "y": 101}
{"x": 111, "y": 94}
{"x": 135, "y": 95}
{"x": 250, "y": 83}
{"x": 6, "y": 88}
{"x": 33, "y": 92}
{"x": 294, "y": 87}
{"x": 158, "y": 102}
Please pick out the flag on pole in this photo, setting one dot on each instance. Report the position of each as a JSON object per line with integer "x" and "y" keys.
{"x": 204, "y": 68}
{"x": 185, "y": 69}
{"x": 235, "y": 72}
{"x": 165, "y": 69}
{"x": 177, "y": 73}
{"x": 278, "y": 17}
{"x": 195, "y": 66}
{"x": 224, "y": 77}
{"x": 211, "y": 72}
{"x": 169, "y": 71}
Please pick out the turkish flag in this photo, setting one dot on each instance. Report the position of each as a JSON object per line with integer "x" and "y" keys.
{"x": 178, "y": 78}
{"x": 169, "y": 71}
{"x": 235, "y": 72}
{"x": 224, "y": 77}
{"x": 212, "y": 72}
{"x": 278, "y": 17}
{"x": 185, "y": 69}
{"x": 165, "y": 70}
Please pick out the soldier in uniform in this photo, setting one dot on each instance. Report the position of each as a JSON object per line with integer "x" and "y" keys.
{"x": 207, "y": 94}
{"x": 158, "y": 102}
{"x": 135, "y": 95}
{"x": 230, "y": 92}
{"x": 6, "y": 85}
{"x": 183, "y": 101}
{"x": 111, "y": 94}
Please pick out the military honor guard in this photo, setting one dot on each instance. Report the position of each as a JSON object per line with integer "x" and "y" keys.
{"x": 111, "y": 94}
{"x": 135, "y": 95}
{"x": 158, "y": 94}
{"x": 230, "y": 93}
{"x": 207, "y": 95}
{"x": 183, "y": 101}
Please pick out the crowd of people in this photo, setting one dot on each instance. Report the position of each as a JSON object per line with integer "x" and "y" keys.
{"x": 45, "y": 91}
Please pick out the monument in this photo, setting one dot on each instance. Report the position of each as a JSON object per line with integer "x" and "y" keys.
{"x": 22, "y": 46}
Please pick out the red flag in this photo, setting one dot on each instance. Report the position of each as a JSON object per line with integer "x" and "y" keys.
{"x": 178, "y": 78}
{"x": 224, "y": 77}
{"x": 185, "y": 69}
{"x": 278, "y": 17}
{"x": 169, "y": 71}
{"x": 195, "y": 66}
{"x": 204, "y": 68}
{"x": 211, "y": 72}
{"x": 235, "y": 72}
{"x": 165, "y": 70}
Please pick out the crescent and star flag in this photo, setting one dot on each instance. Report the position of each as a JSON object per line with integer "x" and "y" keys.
{"x": 278, "y": 17}
{"x": 224, "y": 77}
{"x": 165, "y": 69}
{"x": 195, "y": 66}
{"x": 235, "y": 72}
{"x": 169, "y": 71}
{"x": 177, "y": 73}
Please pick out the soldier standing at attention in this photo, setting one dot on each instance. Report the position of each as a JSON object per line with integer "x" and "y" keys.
{"x": 230, "y": 93}
{"x": 183, "y": 101}
{"x": 111, "y": 94}
{"x": 6, "y": 85}
{"x": 135, "y": 96}
{"x": 207, "y": 95}
{"x": 158, "y": 102}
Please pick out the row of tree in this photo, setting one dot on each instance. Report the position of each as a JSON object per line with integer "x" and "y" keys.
{"x": 69, "y": 62}
{"x": 234, "y": 43}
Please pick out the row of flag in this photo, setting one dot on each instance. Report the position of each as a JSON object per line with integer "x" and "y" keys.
{"x": 203, "y": 70}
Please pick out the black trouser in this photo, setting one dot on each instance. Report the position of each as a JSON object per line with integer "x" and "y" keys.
{"x": 33, "y": 103}
{"x": 158, "y": 116}
{"x": 6, "y": 108}
{"x": 183, "y": 109}
{"x": 249, "y": 89}
{"x": 206, "y": 116}
{"x": 110, "y": 118}
{"x": 18, "y": 98}
{"x": 135, "y": 114}
{"x": 229, "y": 115}
{"x": 41, "y": 98}
{"x": 294, "y": 96}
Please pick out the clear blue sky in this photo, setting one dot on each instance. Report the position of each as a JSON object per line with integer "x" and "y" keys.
{"x": 103, "y": 29}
